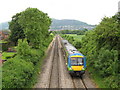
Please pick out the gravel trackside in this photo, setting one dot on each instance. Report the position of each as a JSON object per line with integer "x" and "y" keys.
{"x": 54, "y": 73}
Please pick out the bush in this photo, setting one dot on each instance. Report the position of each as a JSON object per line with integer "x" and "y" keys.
{"x": 16, "y": 73}
{"x": 77, "y": 44}
{"x": 34, "y": 56}
{"x": 23, "y": 49}
{"x": 25, "y": 52}
{"x": 101, "y": 46}
{"x": 20, "y": 71}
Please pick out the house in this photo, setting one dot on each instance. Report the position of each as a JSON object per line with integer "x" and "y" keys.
{"x": 4, "y": 35}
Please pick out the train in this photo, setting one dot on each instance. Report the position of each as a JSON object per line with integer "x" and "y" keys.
{"x": 76, "y": 61}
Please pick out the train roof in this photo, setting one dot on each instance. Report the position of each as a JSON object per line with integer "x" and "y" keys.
{"x": 70, "y": 48}
{"x": 64, "y": 41}
{"x": 75, "y": 54}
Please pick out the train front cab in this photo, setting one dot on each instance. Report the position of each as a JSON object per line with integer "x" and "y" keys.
{"x": 76, "y": 64}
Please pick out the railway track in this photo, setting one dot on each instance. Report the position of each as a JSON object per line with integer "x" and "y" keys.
{"x": 54, "y": 72}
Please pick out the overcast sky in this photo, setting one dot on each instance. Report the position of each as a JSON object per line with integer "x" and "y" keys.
{"x": 89, "y": 11}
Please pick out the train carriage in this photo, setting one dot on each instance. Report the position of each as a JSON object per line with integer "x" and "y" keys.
{"x": 76, "y": 61}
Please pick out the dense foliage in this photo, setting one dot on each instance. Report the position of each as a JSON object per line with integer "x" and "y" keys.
{"x": 78, "y": 32}
{"x": 16, "y": 72}
{"x": 35, "y": 25}
{"x": 31, "y": 24}
{"x": 22, "y": 70}
{"x": 102, "y": 48}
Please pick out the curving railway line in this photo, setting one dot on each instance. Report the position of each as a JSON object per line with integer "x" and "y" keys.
{"x": 54, "y": 72}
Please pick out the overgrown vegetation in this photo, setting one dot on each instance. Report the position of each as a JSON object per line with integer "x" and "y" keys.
{"x": 101, "y": 46}
{"x": 33, "y": 38}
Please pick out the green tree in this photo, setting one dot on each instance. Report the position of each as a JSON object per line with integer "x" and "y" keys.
{"x": 102, "y": 48}
{"x": 16, "y": 29}
{"x": 21, "y": 71}
{"x": 35, "y": 24}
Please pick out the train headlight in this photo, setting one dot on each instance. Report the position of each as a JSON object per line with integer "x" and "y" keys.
{"x": 83, "y": 68}
{"x": 70, "y": 69}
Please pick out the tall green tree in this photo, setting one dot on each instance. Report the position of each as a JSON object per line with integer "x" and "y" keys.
{"x": 16, "y": 29}
{"x": 32, "y": 24}
{"x": 35, "y": 25}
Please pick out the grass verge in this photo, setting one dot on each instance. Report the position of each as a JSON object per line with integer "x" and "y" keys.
{"x": 76, "y": 37}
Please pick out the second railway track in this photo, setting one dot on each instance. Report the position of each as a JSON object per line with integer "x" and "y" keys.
{"x": 54, "y": 72}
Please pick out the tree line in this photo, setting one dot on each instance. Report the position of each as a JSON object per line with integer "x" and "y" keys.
{"x": 29, "y": 31}
{"x": 78, "y": 32}
{"x": 102, "y": 49}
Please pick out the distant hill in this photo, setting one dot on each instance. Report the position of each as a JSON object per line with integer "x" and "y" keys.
{"x": 65, "y": 24}
{"x": 68, "y": 24}
{"x": 4, "y": 26}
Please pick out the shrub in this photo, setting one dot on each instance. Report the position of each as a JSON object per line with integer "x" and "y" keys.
{"x": 25, "y": 52}
{"x": 77, "y": 44}
{"x": 16, "y": 73}
{"x": 101, "y": 46}
{"x": 23, "y": 49}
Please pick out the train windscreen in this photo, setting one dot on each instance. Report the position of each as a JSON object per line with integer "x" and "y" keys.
{"x": 76, "y": 61}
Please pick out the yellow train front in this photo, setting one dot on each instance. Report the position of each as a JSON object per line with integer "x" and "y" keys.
{"x": 76, "y": 64}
